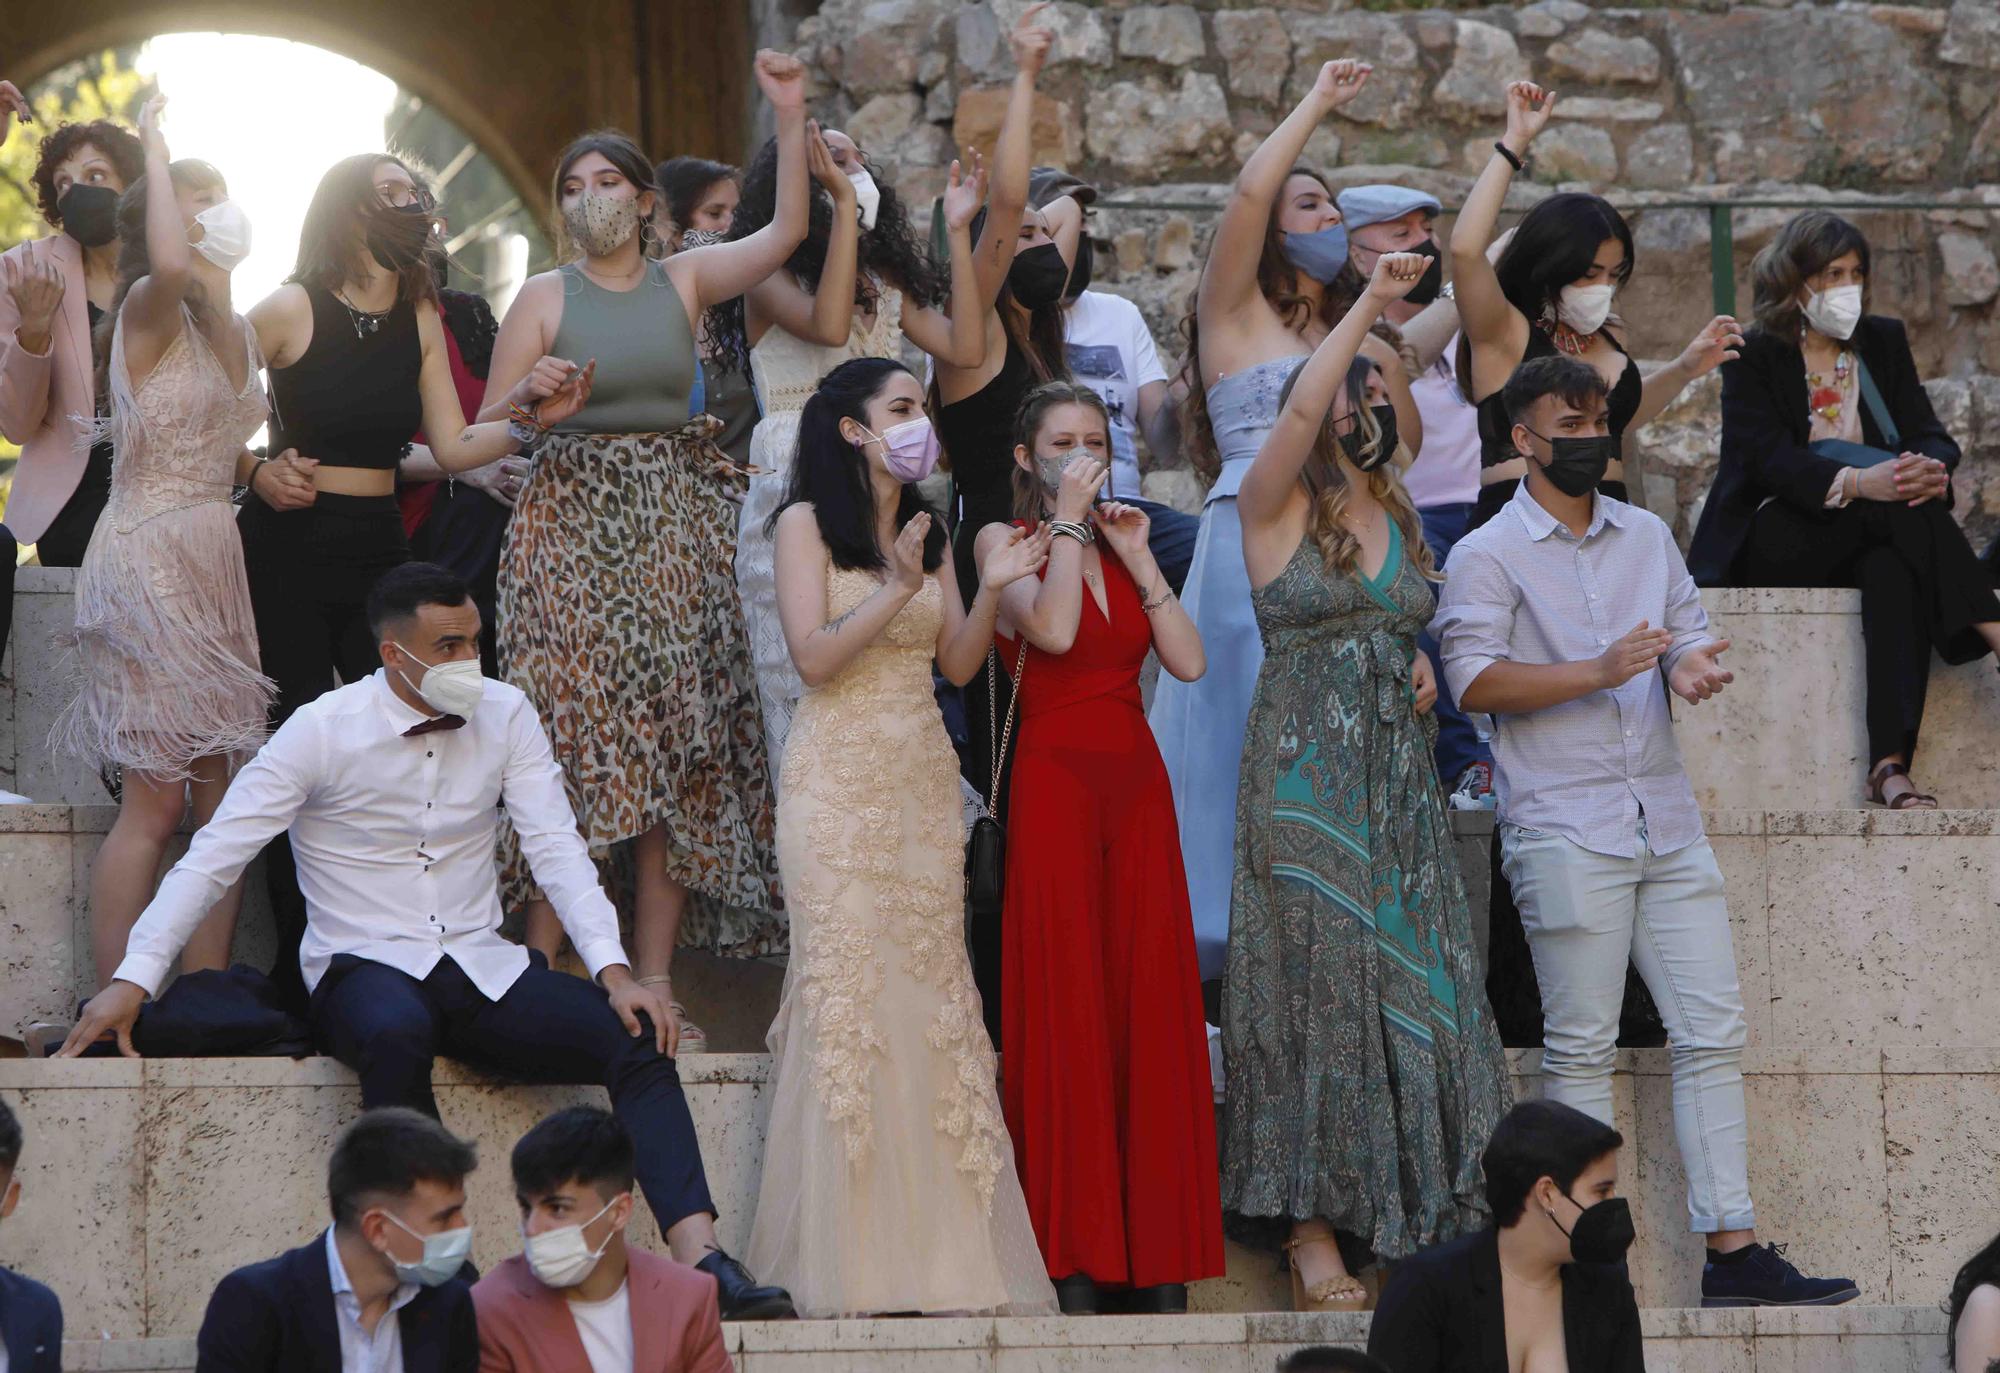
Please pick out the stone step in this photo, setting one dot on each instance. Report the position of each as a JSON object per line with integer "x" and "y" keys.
{"x": 1839, "y": 919}
{"x": 1844, "y": 1339}
{"x": 145, "y": 1182}
{"x": 1789, "y": 733}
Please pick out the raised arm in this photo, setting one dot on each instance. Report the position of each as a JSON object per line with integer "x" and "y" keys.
{"x": 1431, "y": 332}
{"x": 151, "y": 312}
{"x": 1274, "y": 474}
{"x": 959, "y": 338}
{"x": 826, "y": 315}
{"x": 1497, "y": 331}
{"x": 1011, "y": 153}
{"x": 1229, "y": 279}
{"x": 1718, "y": 342}
{"x": 721, "y": 271}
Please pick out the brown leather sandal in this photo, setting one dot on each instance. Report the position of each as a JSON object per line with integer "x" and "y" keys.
{"x": 1902, "y": 801}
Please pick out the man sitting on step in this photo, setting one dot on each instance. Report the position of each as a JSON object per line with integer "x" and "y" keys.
{"x": 579, "y": 1297}
{"x": 1567, "y": 617}
{"x": 381, "y": 1290}
{"x": 390, "y": 787}
{"x": 31, "y": 1319}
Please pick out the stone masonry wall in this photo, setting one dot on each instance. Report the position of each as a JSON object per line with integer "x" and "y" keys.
{"x": 1160, "y": 104}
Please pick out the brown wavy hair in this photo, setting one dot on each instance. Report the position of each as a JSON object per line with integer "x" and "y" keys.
{"x": 1806, "y": 246}
{"x": 616, "y": 147}
{"x": 1035, "y": 407}
{"x": 135, "y": 260}
{"x": 1325, "y": 481}
{"x": 333, "y": 239}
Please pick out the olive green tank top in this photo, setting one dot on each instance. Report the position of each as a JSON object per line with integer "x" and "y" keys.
{"x": 644, "y": 350}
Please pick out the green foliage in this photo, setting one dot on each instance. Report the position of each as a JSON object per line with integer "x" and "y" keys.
{"x": 99, "y": 87}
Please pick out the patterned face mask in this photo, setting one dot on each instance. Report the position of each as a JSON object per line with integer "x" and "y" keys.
{"x": 600, "y": 222}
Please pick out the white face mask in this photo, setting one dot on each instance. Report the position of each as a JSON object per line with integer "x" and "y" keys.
{"x": 1585, "y": 308}
{"x": 867, "y": 197}
{"x": 225, "y": 235}
{"x": 448, "y": 688}
{"x": 444, "y": 1254}
{"x": 562, "y": 1257}
{"x": 1835, "y": 312}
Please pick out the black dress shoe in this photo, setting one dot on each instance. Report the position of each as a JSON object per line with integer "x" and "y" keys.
{"x": 740, "y": 1295}
{"x": 1161, "y": 1299}
{"x": 1077, "y": 1295}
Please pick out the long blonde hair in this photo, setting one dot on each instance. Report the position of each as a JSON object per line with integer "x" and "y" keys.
{"x": 1034, "y": 408}
{"x": 1327, "y": 486}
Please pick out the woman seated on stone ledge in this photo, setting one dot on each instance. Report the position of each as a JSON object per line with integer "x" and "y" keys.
{"x": 1836, "y": 472}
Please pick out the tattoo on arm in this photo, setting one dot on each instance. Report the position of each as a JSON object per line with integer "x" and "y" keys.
{"x": 839, "y": 622}
{"x": 1146, "y": 601}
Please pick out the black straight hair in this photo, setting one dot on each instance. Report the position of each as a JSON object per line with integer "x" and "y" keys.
{"x": 1572, "y": 380}
{"x": 403, "y": 590}
{"x": 1553, "y": 247}
{"x": 584, "y": 1144}
{"x": 684, "y": 181}
{"x": 1536, "y": 1140}
{"x": 386, "y": 1152}
{"x": 831, "y": 474}
{"x": 1981, "y": 1269}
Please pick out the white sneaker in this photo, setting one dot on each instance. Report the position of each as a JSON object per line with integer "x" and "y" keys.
{"x": 14, "y": 798}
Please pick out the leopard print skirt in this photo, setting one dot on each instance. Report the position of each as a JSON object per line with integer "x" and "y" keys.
{"x": 618, "y": 616}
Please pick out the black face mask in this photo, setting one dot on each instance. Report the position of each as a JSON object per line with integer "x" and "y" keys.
{"x": 1037, "y": 276}
{"x": 1432, "y": 281}
{"x": 1353, "y": 444}
{"x": 1576, "y": 466}
{"x": 1079, "y": 275}
{"x": 89, "y": 214}
{"x": 398, "y": 235}
{"x": 1602, "y": 1233}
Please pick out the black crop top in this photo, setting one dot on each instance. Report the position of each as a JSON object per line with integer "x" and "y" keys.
{"x": 1496, "y": 434}
{"x": 352, "y": 399}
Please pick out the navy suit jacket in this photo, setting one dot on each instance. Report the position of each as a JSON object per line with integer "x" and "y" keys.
{"x": 30, "y": 1325}
{"x": 278, "y": 1317}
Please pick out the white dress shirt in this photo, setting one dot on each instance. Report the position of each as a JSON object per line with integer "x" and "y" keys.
{"x": 1522, "y": 589}
{"x": 395, "y": 839}
{"x": 360, "y": 1351}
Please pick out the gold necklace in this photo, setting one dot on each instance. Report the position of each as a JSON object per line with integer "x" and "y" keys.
{"x": 1531, "y": 1286}
{"x": 628, "y": 277}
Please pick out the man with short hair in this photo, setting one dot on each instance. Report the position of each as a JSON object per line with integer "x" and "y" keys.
{"x": 391, "y": 787}
{"x": 31, "y": 1320}
{"x": 1443, "y": 482}
{"x": 579, "y": 1297}
{"x": 1567, "y": 617}
{"x": 381, "y": 1290}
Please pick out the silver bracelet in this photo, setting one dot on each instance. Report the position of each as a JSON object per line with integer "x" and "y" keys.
{"x": 1070, "y": 529}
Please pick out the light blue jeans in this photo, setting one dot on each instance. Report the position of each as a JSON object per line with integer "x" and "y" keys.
{"x": 1586, "y": 914}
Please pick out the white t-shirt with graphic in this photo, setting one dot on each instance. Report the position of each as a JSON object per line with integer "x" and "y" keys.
{"x": 1110, "y": 350}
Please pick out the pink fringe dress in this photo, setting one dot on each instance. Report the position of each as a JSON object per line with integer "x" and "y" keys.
{"x": 164, "y": 633}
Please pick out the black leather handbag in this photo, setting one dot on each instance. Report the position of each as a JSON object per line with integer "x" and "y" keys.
{"x": 986, "y": 846}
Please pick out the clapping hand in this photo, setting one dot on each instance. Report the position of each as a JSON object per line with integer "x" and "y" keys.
{"x": 1032, "y": 42}
{"x": 1396, "y": 275}
{"x": 906, "y": 558}
{"x": 1697, "y": 676}
{"x": 1716, "y": 344}
{"x": 963, "y": 195}
{"x": 36, "y": 289}
{"x": 1126, "y": 528}
{"x": 1639, "y": 651}
{"x": 1528, "y": 109}
{"x": 1023, "y": 554}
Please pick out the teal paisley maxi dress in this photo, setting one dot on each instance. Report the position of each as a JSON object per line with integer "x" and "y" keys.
{"x": 1364, "y": 1070}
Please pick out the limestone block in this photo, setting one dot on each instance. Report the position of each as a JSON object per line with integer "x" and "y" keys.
{"x": 1394, "y": 94}
{"x": 1548, "y": 18}
{"x": 1123, "y": 1344}
{"x": 1139, "y": 125}
{"x": 1485, "y": 60}
{"x": 1971, "y": 277}
{"x": 1168, "y": 34}
{"x": 38, "y": 948}
{"x": 1605, "y": 109}
{"x": 1576, "y": 152}
{"x": 1972, "y": 35}
{"x": 1258, "y": 50}
{"x": 894, "y": 130}
{"x": 1745, "y": 864}
{"x": 1601, "y": 58}
{"x": 44, "y": 682}
{"x": 1662, "y": 157}
{"x": 882, "y": 42}
{"x": 1941, "y": 1114}
{"x": 1053, "y": 134}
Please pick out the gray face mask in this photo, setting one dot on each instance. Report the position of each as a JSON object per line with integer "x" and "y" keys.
{"x": 1049, "y": 469}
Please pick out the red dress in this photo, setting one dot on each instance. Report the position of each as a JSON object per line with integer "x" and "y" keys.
{"x": 1105, "y": 1078}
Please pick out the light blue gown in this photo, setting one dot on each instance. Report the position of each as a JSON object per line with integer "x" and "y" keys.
{"x": 1199, "y": 725}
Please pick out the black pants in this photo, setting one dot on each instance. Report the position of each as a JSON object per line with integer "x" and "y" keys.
{"x": 1921, "y": 588}
{"x": 310, "y": 572}
{"x": 548, "y": 1027}
{"x": 63, "y": 543}
{"x": 466, "y": 532}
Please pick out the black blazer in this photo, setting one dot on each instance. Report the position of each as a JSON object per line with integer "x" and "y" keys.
{"x": 30, "y": 1325}
{"x": 278, "y": 1317}
{"x": 1441, "y": 1312}
{"x": 1764, "y": 434}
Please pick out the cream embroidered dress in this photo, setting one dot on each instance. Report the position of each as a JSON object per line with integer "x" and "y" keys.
{"x": 889, "y": 1180}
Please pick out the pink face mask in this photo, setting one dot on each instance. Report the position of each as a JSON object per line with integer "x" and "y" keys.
{"x": 909, "y": 450}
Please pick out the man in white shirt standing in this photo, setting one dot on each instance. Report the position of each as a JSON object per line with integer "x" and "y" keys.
{"x": 390, "y": 787}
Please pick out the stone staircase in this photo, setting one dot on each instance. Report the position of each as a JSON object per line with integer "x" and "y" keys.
{"x": 1865, "y": 941}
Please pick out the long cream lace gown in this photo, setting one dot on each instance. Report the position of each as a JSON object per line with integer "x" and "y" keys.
{"x": 786, "y": 370}
{"x": 889, "y": 1179}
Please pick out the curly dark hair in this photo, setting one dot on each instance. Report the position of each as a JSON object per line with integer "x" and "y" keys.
{"x": 116, "y": 142}
{"x": 892, "y": 251}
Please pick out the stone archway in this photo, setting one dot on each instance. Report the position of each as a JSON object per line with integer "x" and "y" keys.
{"x": 521, "y": 77}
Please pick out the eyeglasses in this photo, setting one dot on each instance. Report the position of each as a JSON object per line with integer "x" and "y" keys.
{"x": 401, "y": 195}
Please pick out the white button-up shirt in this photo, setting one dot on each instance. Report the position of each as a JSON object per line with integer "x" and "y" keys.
{"x": 360, "y": 1351}
{"x": 395, "y": 838}
{"x": 1523, "y": 589}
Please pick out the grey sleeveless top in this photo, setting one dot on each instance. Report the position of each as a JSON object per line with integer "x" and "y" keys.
{"x": 644, "y": 349}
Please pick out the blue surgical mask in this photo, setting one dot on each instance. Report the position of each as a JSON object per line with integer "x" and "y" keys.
{"x": 444, "y": 1254}
{"x": 1319, "y": 255}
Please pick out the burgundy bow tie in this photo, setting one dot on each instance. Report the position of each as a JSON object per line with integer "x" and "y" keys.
{"x": 438, "y": 722}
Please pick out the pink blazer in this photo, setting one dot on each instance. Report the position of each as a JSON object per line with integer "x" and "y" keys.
{"x": 525, "y": 1327}
{"x": 42, "y": 397}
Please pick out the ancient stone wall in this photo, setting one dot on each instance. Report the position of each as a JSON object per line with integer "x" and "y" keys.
{"x": 1659, "y": 106}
